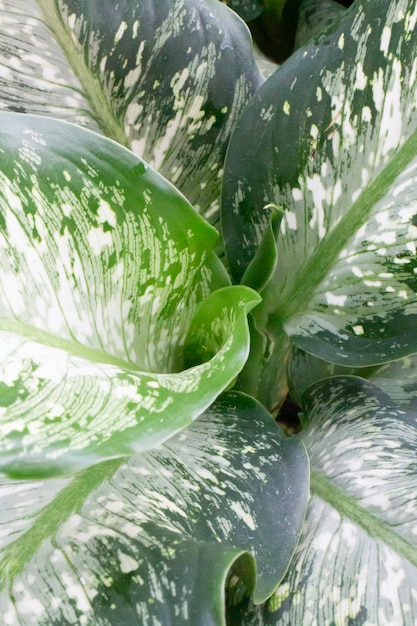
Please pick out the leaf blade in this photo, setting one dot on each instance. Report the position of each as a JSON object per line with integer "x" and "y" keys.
{"x": 103, "y": 265}
{"x": 331, "y": 153}
{"x": 156, "y": 509}
{"x": 359, "y": 537}
{"x": 170, "y": 93}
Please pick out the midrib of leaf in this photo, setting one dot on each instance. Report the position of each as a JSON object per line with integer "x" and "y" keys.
{"x": 16, "y": 555}
{"x": 71, "y": 347}
{"x": 296, "y": 300}
{"x": 91, "y": 85}
{"x": 348, "y": 507}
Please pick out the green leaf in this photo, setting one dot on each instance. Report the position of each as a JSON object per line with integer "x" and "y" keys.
{"x": 356, "y": 562}
{"x": 151, "y": 539}
{"x": 164, "y": 77}
{"x": 397, "y": 378}
{"x": 275, "y": 28}
{"x": 247, "y": 9}
{"x": 332, "y": 138}
{"x": 304, "y": 370}
{"x": 103, "y": 265}
{"x": 316, "y": 16}
{"x": 260, "y": 371}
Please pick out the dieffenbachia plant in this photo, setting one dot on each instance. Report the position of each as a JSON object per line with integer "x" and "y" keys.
{"x": 397, "y": 378}
{"x": 131, "y": 488}
{"x": 119, "y": 328}
{"x": 356, "y": 562}
{"x": 331, "y": 139}
{"x": 147, "y": 539}
{"x": 166, "y": 78}
{"x": 103, "y": 267}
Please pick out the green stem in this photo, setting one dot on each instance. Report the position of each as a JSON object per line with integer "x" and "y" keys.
{"x": 265, "y": 373}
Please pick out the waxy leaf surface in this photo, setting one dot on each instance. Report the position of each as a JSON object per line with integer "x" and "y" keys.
{"x": 316, "y": 16}
{"x": 151, "y": 539}
{"x": 103, "y": 265}
{"x": 356, "y": 562}
{"x": 164, "y": 77}
{"x": 247, "y": 9}
{"x": 397, "y": 378}
{"x": 331, "y": 137}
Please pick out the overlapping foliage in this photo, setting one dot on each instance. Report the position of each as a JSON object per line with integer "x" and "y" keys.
{"x": 135, "y": 487}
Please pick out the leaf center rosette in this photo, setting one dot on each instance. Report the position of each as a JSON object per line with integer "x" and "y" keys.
{"x": 118, "y": 325}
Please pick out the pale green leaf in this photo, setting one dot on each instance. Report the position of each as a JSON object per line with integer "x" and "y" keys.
{"x": 150, "y": 540}
{"x": 356, "y": 562}
{"x": 166, "y": 78}
{"x": 332, "y": 138}
{"x": 103, "y": 265}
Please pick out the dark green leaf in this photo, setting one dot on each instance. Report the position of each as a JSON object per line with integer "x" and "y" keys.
{"x": 275, "y": 28}
{"x": 247, "y": 9}
{"x": 356, "y": 562}
{"x": 151, "y": 540}
{"x": 397, "y": 378}
{"x": 316, "y": 16}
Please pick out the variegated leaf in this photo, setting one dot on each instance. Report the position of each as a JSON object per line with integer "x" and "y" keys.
{"x": 103, "y": 265}
{"x": 396, "y": 378}
{"x": 316, "y": 16}
{"x": 150, "y": 540}
{"x": 356, "y": 562}
{"x": 332, "y": 138}
{"x": 166, "y": 78}
{"x": 247, "y": 9}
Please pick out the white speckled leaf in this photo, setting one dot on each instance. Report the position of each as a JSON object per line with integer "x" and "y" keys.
{"x": 356, "y": 563}
{"x": 150, "y": 540}
{"x": 333, "y": 135}
{"x": 164, "y": 77}
{"x": 103, "y": 265}
{"x": 397, "y": 378}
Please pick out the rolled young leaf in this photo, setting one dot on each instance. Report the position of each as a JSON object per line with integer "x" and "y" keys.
{"x": 164, "y": 77}
{"x": 356, "y": 562}
{"x": 151, "y": 539}
{"x": 332, "y": 138}
{"x": 103, "y": 265}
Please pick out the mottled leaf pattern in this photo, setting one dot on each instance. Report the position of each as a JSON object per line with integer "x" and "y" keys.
{"x": 35, "y": 76}
{"x": 333, "y": 136}
{"x": 316, "y": 16}
{"x": 150, "y": 539}
{"x": 356, "y": 562}
{"x": 247, "y": 9}
{"x": 166, "y": 78}
{"x": 397, "y": 378}
{"x": 103, "y": 264}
